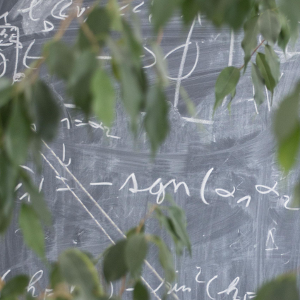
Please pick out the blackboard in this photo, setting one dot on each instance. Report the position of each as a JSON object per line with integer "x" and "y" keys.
{"x": 222, "y": 171}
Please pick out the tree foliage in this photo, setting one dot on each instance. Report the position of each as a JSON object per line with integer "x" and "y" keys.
{"x": 29, "y": 115}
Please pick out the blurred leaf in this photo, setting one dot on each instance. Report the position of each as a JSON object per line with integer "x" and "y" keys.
{"x": 165, "y": 258}
{"x": 161, "y": 65}
{"x": 98, "y": 23}
{"x": 135, "y": 253}
{"x": 55, "y": 275}
{"x": 156, "y": 120}
{"x": 280, "y": 288}
{"x": 103, "y": 97}
{"x": 37, "y": 200}
{"x": 272, "y": 60}
{"x": 265, "y": 71}
{"x": 78, "y": 270}
{"x": 18, "y": 133}
{"x": 6, "y": 91}
{"x": 258, "y": 83}
{"x": 80, "y": 80}
{"x": 188, "y": 102}
{"x": 59, "y": 59}
{"x": 288, "y": 150}
{"x": 162, "y": 11}
{"x": 286, "y": 117}
{"x": 32, "y": 229}
{"x": 114, "y": 264}
{"x": 269, "y": 25}
{"x": 249, "y": 42}
{"x": 15, "y": 287}
{"x": 285, "y": 33}
{"x": 8, "y": 180}
{"x": 140, "y": 292}
{"x": 189, "y": 10}
{"x": 296, "y": 196}
{"x": 114, "y": 13}
{"x": 47, "y": 112}
{"x": 226, "y": 84}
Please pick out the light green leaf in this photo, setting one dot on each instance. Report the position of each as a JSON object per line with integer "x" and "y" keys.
{"x": 78, "y": 270}
{"x": 282, "y": 287}
{"x": 32, "y": 229}
{"x": 272, "y": 60}
{"x": 258, "y": 83}
{"x": 47, "y": 112}
{"x": 288, "y": 150}
{"x": 80, "y": 80}
{"x": 249, "y": 43}
{"x": 103, "y": 97}
{"x": 37, "y": 200}
{"x": 98, "y": 22}
{"x": 226, "y": 84}
{"x": 59, "y": 59}
{"x": 265, "y": 71}
{"x": 296, "y": 196}
{"x": 165, "y": 257}
{"x": 286, "y": 117}
{"x": 285, "y": 33}
{"x": 269, "y": 25}
{"x": 156, "y": 120}
{"x": 135, "y": 253}
{"x": 114, "y": 264}
{"x": 15, "y": 287}
{"x": 162, "y": 11}
{"x": 18, "y": 133}
{"x": 140, "y": 292}
{"x": 114, "y": 12}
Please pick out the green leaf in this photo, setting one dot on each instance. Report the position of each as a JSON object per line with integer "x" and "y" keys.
{"x": 165, "y": 258}
{"x": 258, "y": 83}
{"x": 32, "y": 229}
{"x": 286, "y": 117}
{"x": 249, "y": 43}
{"x": 226, "y": 84}
{"x": 296, "y": 196}
{"x": 288, "y": 150}
{"x": 140, "y": 292}
{"x": 282, "y": 287}
{"x": 162, "y": 11}
{"x": 269, "y": 25}
{"x": 103, "y": 97}
{"x": 156, "y": 120}
{"x": 8, "y": 180}
{"x": 37, "y": 200}
{"x": 78, "y": 270}
{"x": 18, "y": 133}
{"x": 285, "y": 33}
{"x": 114, "y": 264}
{"x": 98, "y": 22}
{"x": 6, "y": 91}
{"x": 114, "y": 12}
{"x": 269, "y": 4}
{"x": 273, "y": 61}
{"x": 265, "y": 71}
{"x": 55, "y": 275}
{"x": 135, "y": 253}
{"x": 47, "y": 112}
{"x": 15, "y": 287}
{"x": 80, "y": 80}
{"x": 59, "y": 59}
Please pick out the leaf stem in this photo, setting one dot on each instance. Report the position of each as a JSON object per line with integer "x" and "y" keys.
{"x": 254, "y": 51}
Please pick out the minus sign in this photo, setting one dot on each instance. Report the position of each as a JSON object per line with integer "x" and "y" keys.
{"x": 101, "y": 183}
{"x": 129, "y": 290}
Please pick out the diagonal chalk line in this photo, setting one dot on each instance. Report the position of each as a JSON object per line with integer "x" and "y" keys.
{"x": 85, "y": 208}
{"x": 103, "y": 212}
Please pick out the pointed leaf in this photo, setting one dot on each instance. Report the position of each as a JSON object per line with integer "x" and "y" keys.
{"x": 249, "y": 43}
{"x": 226, "y": 84}
{"x": 114, "y": 264}
{"x": 140, "y": 292}
{"x": 285, "y": 33}
{"x": 272, "y": 60}
{"x": 103, "y": 97}
{"x": 32, "y": 229}
{"x": 135, "y": 253}
{"x": 265, "y": 71}
{"x": 78, "y": 270}
{"x": 269, "y": 25}
{"x": 156, "y": 120}
{"x": 258, "y": 84}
